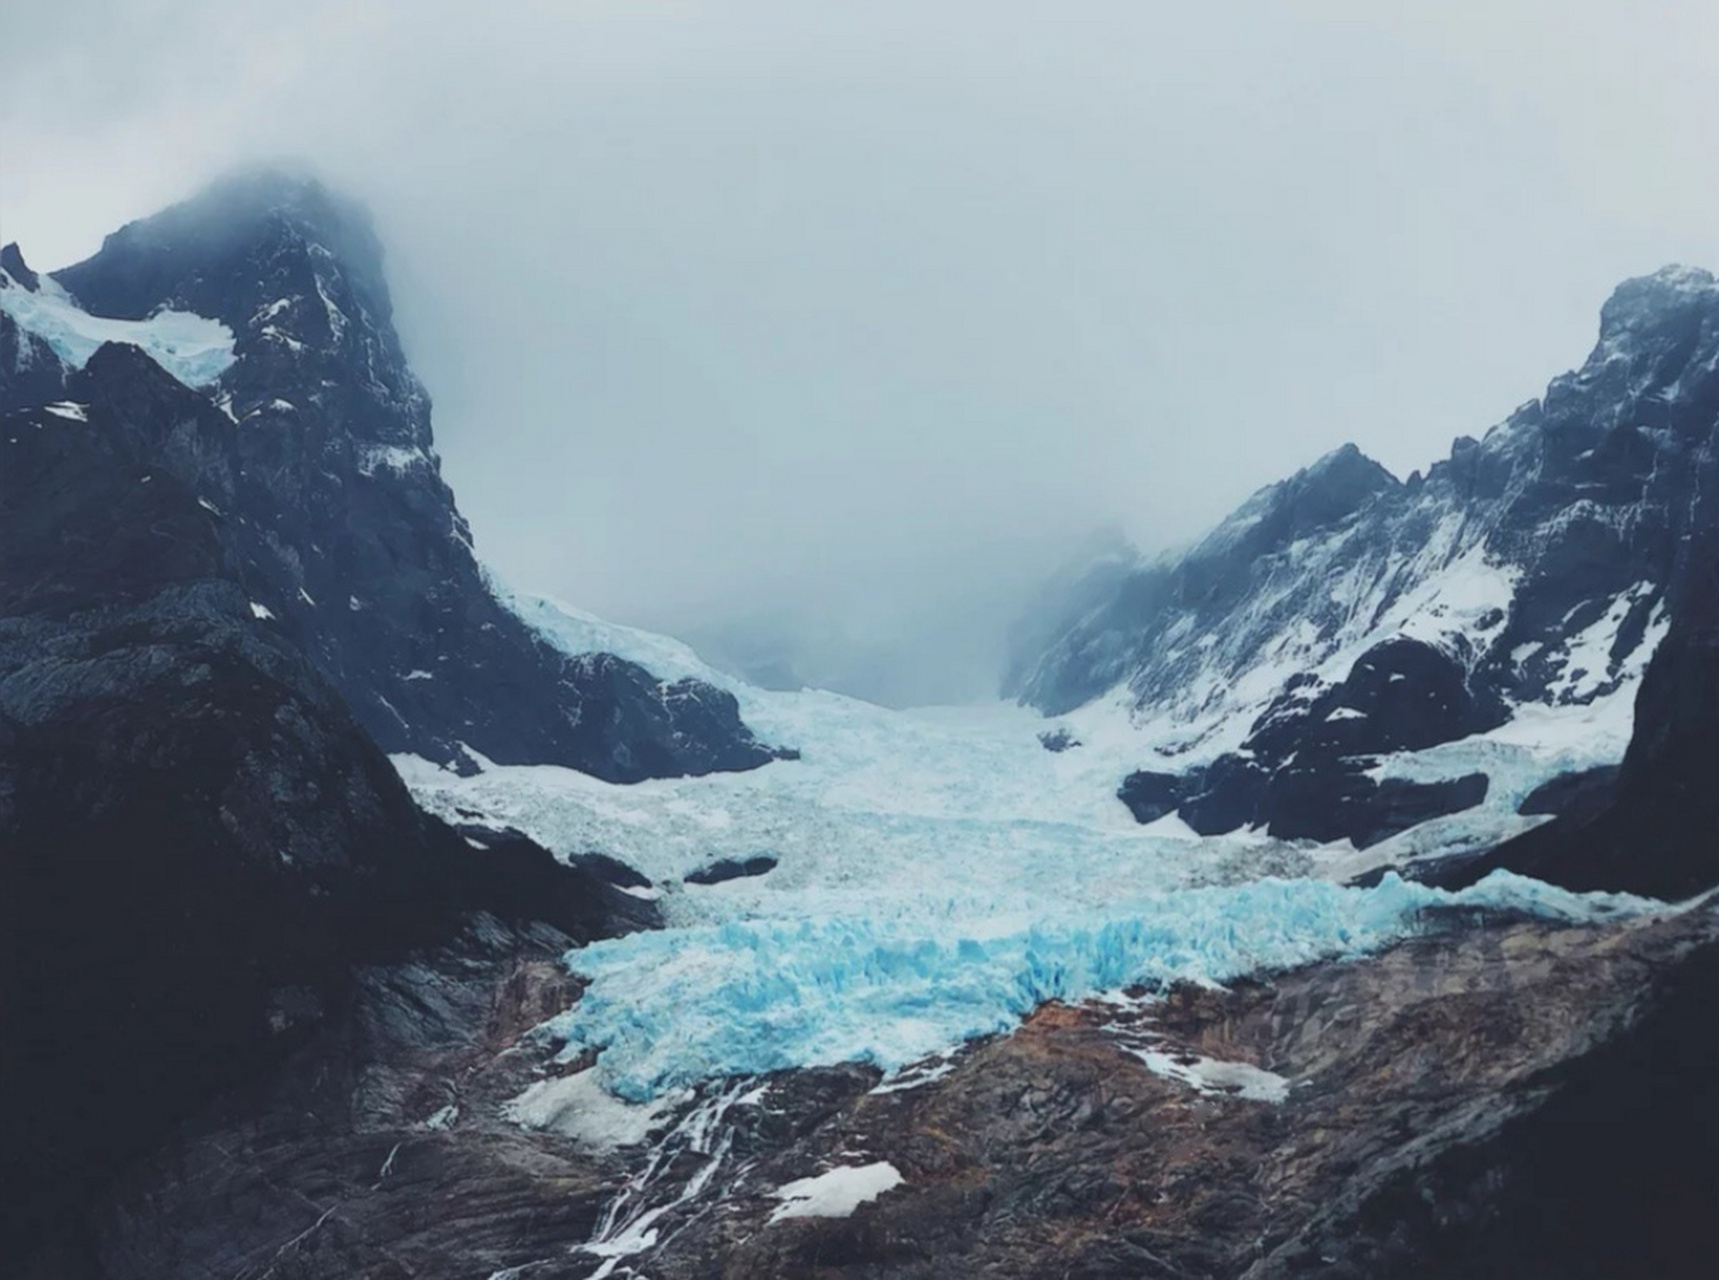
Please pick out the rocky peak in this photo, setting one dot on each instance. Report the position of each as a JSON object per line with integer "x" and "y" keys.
{"x": 296, "y": 272}
{"x": 14, "y": 270}
{"x": 1647, "y": 303}
{"x": 1319, "y": 496}
{"x": 209, "y": 254}
{"x": 1335, "y": 486}
{"x": 1652, "y": 329}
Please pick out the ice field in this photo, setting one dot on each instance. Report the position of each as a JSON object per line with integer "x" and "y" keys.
{"x": 940, "y": 873}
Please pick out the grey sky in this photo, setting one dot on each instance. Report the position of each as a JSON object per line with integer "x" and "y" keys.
{"x": 845, "y": 322}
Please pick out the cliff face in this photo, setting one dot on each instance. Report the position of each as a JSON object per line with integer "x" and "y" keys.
{"x": 332, "y": 493}
{"x": 1655, "y": 830}
{"x": 198, "y": 841}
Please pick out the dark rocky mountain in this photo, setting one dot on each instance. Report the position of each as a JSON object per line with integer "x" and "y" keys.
{"x": 1342, "y": 616}
{"x": 1655, "y": 828}
{"x": 197, "y": 840}
{"x": 32, "y": 372}
{"x": 333, "y": 501}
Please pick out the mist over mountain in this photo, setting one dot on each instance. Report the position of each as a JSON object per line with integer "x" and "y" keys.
{"x": 847, "y": 318}
{"x": 583, "y": 954}
{"x": 883, "y": 642}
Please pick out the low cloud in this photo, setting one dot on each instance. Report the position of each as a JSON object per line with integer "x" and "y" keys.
{"x": 837, "y": 327}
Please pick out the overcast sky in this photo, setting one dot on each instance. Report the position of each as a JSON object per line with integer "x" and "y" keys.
{"x": 846, "y": 322}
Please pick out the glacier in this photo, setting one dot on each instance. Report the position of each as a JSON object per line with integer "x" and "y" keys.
{"x": 193, "y": 348}
{"x": 667, "y": 1010}
{"x": 940, "y": 873}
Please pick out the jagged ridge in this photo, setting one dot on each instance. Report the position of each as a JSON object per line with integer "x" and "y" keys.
{"x": 1536, "y": 567}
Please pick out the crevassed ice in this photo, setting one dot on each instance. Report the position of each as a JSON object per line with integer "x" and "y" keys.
{"x": 193, "y": 348}
{"x": 940, "y": 873}
{"x": 668, "y": 1009}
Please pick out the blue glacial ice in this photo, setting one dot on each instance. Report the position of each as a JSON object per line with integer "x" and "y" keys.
{"x": 669, "y": 1009}
{"x": 194, "y": 349}
{"x": 939, "y": 875}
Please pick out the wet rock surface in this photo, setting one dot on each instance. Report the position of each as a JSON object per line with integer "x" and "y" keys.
{"x": 1439, "y": 1098}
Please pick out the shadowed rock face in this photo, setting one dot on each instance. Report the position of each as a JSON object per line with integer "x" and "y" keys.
{"x": 337, "y": 509}
{"x": 1656, "y": 832}
{"x": 30, "y": 372}
{"x": 197, "y": 840}
{"x": 380, "y": 1150}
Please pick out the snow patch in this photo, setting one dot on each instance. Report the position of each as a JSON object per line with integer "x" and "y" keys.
{"x": 1210, "y": 1076}
{"x": 193, "y": 348}
{"x": 835, "y": 1194}
{"x": 578, "y": 1107}
{"x": 395, "y": 458}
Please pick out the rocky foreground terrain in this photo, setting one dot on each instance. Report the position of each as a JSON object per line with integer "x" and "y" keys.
{"x": 1495, "y": 1098}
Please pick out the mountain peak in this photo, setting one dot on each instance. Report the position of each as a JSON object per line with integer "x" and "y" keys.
{"x": 189, "y": 255}
{"x": 1345, "y": 464}
{"x": 1327, "y": 490}
{"x": 1647, "y": 302}
{"x": 280, "y": 193}
{"x": 13, "y": 264}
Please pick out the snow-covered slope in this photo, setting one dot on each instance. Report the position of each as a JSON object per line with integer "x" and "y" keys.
{"x": 1340, "y": 617}
{"x": 193, "y": 348}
